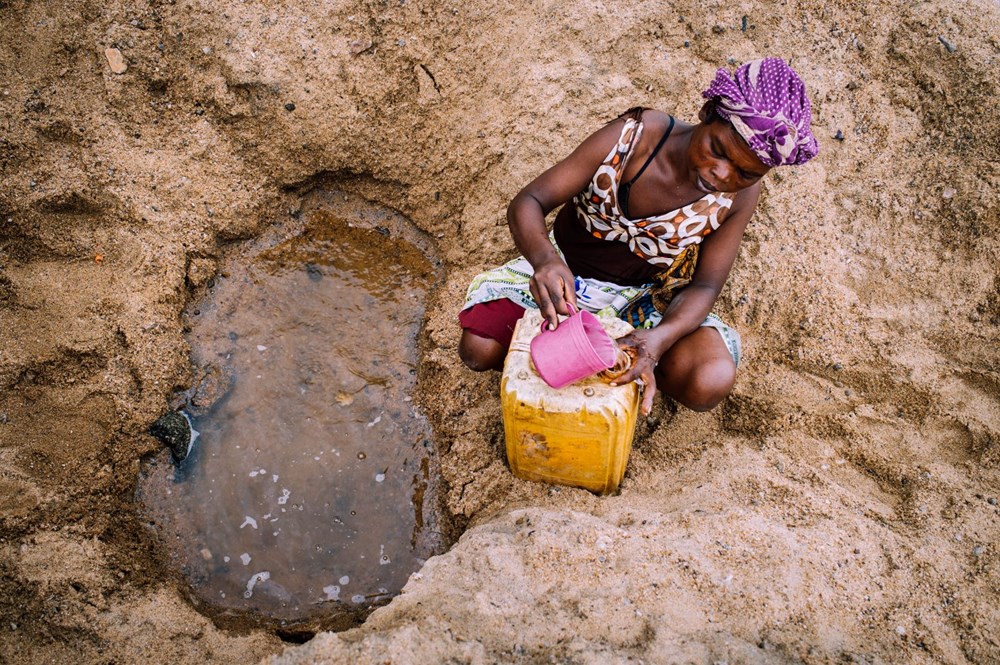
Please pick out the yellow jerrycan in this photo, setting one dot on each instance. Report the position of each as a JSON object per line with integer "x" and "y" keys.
{"x": 579, "y": 435}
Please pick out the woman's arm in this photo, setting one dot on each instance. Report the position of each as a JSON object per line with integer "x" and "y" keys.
{"x": 552, "y": 283}
{"x": 691, "y": 305}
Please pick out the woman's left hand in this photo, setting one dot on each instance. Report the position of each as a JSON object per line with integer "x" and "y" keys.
{"x": 645, "y": 355}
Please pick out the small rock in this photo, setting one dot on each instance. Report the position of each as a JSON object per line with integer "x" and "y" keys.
{"x": 977, "y": 551}
{"x": 687, "y": 44}
{"x": 360, "y": 46}
{"x": 992, "y": 500}
{"x": 848, "y": 393}
{"x": 206, "y": 554}
{"x": 839, "y": 136}
{"x": 900, "y": 630}
{"x": 743, "y": 23}
{"x": 949, "y": 193}
{"x": 289, "y": 106}
{"x": 115, "y": 60}
{"x": 718, "y": 29}
{"x": 837, "y": 367}
{"x": 315, "y": 274}
{"x": 174, "y": 431}
{"x": 947, "y": 44}
{"x": 3, "y": 418}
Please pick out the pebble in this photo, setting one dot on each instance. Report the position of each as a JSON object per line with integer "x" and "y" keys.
{"x": 948, "y": 45}
{"x": 718, "y": 29}
{"x": 839, "y": 136}
{"x": 837, "y": 367}
{"x": 115, "y": 60}
{"x": 687, "y": 44}
{"x": 992, "y": 500}
{"x": 977, "y": 551}
{"x": 174, "y": 431}
{"x": 949, "y": 192}
{"x": 360, "y": 46}
{"x": 743, "y": 23}
{"x": 289, "y": 106}
{"x": 900, "y": 630}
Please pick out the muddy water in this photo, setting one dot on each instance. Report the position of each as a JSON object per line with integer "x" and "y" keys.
{"x": 305, "y": 494}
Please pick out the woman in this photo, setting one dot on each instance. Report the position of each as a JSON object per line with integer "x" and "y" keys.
{"x": 657, "y": 214}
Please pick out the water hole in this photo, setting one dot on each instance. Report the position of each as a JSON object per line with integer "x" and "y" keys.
{"x": 308, "y": 496}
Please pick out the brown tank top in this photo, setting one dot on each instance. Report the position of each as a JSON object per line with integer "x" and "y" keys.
{"x": 600, "y": 242}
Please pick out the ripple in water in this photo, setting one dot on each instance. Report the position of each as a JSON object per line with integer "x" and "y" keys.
{"x": 306, "y": 492}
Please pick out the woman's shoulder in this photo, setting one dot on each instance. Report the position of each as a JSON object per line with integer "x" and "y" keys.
{"x": 655, "y": 120}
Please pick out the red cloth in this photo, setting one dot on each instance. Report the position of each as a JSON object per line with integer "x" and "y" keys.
{"x": 494, "y": 319}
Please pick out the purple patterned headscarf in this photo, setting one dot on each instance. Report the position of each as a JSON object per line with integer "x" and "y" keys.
{"x": 765, "y": 102}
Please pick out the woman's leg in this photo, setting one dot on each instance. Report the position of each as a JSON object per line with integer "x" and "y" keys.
{"x": 698, "y": 371}
{"x": 487, "y": 329}
{"x": 481, "y": 353}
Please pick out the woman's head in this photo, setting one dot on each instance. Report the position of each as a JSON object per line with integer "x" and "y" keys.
{"x": 765, "y": 102}
{"x": 720, "y": 160}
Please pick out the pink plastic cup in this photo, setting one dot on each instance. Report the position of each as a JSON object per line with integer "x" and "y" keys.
{"x": 578, "y": 348}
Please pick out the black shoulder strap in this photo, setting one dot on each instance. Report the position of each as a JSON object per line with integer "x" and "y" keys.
{"x": 659, "y": 145}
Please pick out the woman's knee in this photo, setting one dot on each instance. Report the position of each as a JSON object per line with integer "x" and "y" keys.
{"x": 706, "y": 385}
{"x": 480, "y": 353}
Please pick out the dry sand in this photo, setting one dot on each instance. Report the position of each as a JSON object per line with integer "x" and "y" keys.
{"x": 839, "y": 507}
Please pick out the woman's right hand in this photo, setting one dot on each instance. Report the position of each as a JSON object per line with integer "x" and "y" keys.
{"x": 553, "y": 286}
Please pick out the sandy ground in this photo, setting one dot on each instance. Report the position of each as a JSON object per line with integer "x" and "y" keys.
{"x": 841, "y": 506}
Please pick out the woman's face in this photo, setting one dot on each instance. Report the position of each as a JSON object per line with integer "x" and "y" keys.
{"x": 721, "y": 160}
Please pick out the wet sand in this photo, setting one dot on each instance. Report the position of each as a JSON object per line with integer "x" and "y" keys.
{"x": 303, "y": 502}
